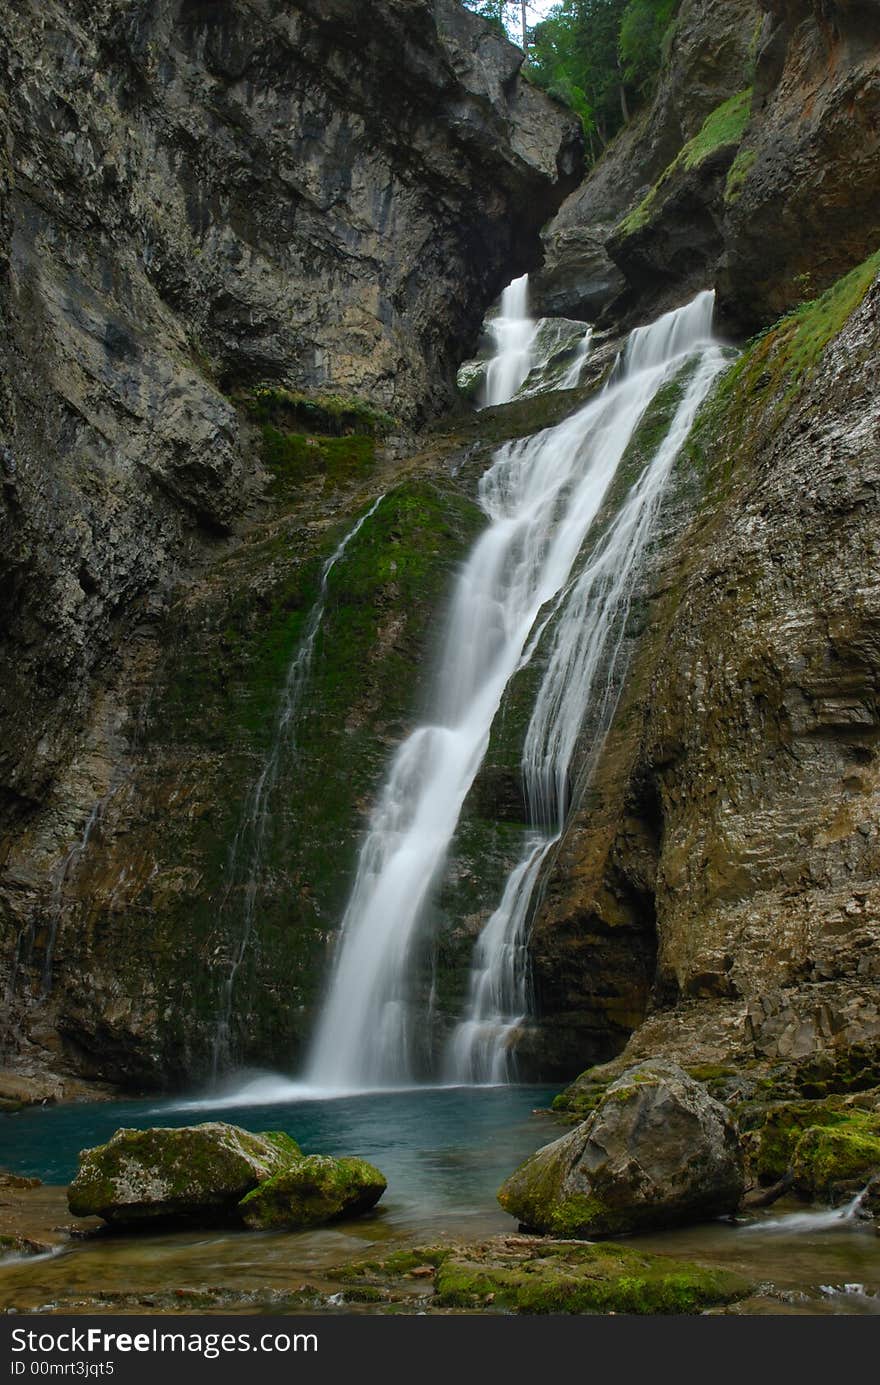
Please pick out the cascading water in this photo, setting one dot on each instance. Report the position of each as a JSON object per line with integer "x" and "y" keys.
{"x": 542, "y": 496}
{"x": 513, "y": 332}
{"x": 249, "y": 844}
{"x": 580, "y": 675}
{"x": 572, "y": 378}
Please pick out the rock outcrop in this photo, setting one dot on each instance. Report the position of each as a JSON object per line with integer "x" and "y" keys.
{"x": 530, "y": 1274}
{"x": 803, "y": 204}
{"x": 195, "y": 1174}
{"x": 311, "y": 1192}
{"x": 754, "y": 168}
{"x": 708, "y": 64}
{"x": 657, "y": 1151}
{"x": 738, "y": 790}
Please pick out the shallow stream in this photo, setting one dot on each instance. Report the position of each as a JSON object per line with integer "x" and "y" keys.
{"x": 445, "y": 1152}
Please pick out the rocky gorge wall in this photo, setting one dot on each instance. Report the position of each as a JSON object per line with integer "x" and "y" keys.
{"x": 754, "y": 168}
{"x": 198, "y": 199}
{"x": 733, "y": 815}
{"x": 190, "y": 429}
{"x": 731, "y": 820}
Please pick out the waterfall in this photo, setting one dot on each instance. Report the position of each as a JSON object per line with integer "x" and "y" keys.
{"x": 513, "y": 333}
{"x": 579, "y": 676}
{"x": 541, "y": 496}
{"x": 572, "y": 378}
{"x": 62, "y": 874}
{"x": 250, "y": 841}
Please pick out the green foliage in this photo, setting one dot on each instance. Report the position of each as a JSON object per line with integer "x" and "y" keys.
{"x": 642, "y": 32}
{"x": 574, "y": 56}
{"x": 601, "y": 56}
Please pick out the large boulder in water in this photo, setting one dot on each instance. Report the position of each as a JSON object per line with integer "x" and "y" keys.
{"x": 657, "y": 1151}
{"x": 312, "y": 1191}
{"x": 196, "y": 1174}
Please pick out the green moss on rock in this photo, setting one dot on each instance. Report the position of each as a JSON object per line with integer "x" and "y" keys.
{"x": 839, "y": 1154}
{"x": 194, "y": 1173}
{"x": 739, "y": 172}
{"x": 774, "y": 1140}
{"x": 723, "y": 126}
{"x": 313, "y": 1191}
{"x": 606, "y": 1278}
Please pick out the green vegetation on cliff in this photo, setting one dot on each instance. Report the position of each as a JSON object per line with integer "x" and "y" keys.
{"x": 212, "y": 722}
{"x": 755, "y": 394}
{"x": 724, "y": 126}
{"x": 308, "y": 436}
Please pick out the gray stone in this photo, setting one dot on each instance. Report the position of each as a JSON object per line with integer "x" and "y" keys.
{"x": 195, "y": 1174}
{"x": 657, "y": 1151}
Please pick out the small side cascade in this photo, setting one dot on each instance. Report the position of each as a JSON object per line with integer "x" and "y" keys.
{"x": 572, "y": 378}
{"x": 513, "y": 333}
{"x": 247, "y": 855}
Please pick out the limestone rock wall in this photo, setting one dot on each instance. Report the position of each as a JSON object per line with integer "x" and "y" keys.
{"x": 769, "y": 200}
{"x": 736, "y": 806}
{"x": 196, "y": 198}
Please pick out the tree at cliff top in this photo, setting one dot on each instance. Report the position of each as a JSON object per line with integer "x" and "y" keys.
{"x": 601, "y": 56}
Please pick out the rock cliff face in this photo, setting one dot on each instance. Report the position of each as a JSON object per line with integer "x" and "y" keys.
{"x": 196, "y": 198}
{"x": 708, "y": 63}
{"x": 738, "y": 796}
{"x": 731, "y": 820}
{"x": 238, "y": 266}
{"x": 754, "y": 169}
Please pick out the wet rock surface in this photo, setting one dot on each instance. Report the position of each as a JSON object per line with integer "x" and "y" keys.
{"x": 217, "y": 1174}
{"x": 525, "y": 1274}
{"x": 197, "y": 199}
{"x": 707, "y": 64}
{"x": 313, "y": 1191}
{"x": 656, "y": 1151}
{"x": 737, "y": 792}
{"x": 195, "y": 1174}
{"x": 771, "y": 209}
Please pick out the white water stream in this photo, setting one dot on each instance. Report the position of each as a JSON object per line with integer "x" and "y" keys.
{"x": 588, "y": 625}
{"x": 572, "y": 378}
{"x": 248, "y": 849}
{"x": 541, "y": 496}
{"x": 513, "y": 333}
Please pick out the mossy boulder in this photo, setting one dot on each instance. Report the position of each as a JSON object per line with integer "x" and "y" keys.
{"x": 828, "y": 1156}
{"x": 656, "y": 1151}
{"x": 196, "y": 1174}
{"x": 776, "y": 1130}
{"x": 312, "y": 1191}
